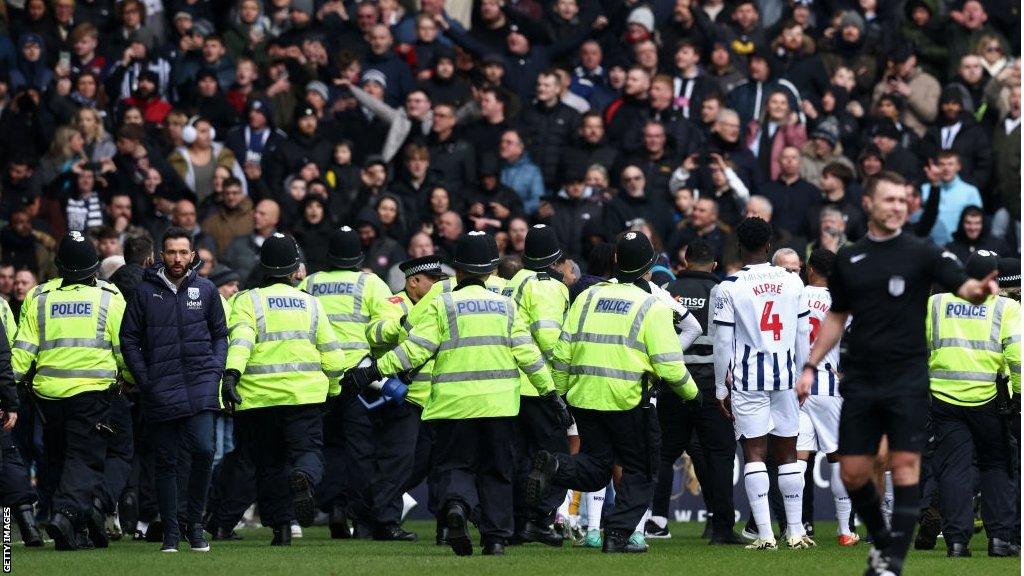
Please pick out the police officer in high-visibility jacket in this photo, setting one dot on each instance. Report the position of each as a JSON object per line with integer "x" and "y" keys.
{"x": 283, "y": 361}
{"x": 69, "y": 333}
{"x": 616, "y": 337}
{"x": 541, "y": 303}
{"x": 479, "y": 346}
{"x": 969, "y": 346}
{"x": 374, "y": 451}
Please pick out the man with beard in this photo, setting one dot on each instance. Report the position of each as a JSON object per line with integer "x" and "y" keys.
{"x": 147, "y": 98}
{"x": 958, "y": 131}
{"x": 589, "y": 147}
{"x": 628, "y": 111}
{"x": 637, "y": 203}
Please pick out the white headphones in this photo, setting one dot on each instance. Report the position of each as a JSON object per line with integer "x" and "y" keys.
{"x": 189, "y": 134}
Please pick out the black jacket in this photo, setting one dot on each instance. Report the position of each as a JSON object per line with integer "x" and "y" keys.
{"x": 625, "y": 208}
{"x": 300, "y": 148}
{"x": 579, "y": 155}
{"x": 453, "y": 163}
{"x": 973, "y": 145}
{"x": 547, "y": 131}
{"x": 693, "y": 290}
{"x": 569, "y": 219}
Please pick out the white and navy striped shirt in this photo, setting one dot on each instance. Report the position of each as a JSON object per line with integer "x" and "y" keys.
{"x": 84, "y": 213}
{"x": 764, "y": 305}
{"x": 826, "y": 382}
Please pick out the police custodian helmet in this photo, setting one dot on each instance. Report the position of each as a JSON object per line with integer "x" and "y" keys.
{"x": 76, "y": 257}
{"x": 541, "y": 248}
{"x": 279, "y": 255}
{"x": 634, "y": 255}
{"x": 345, "y": 249}
{"x": 475, "y": 253}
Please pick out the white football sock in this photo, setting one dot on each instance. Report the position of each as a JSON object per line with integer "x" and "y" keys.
{"x": 659, "y": 521}
{"x": 791, "y": 484}
{"x": 595, "y": 504}
{"x": 755, "y": 480}
{"x": 563, "y": 509}
{"x": 844, "y": 507}
{"x": 643, "y": 521}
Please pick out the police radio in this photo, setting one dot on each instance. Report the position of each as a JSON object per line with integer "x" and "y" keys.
{"x": 391, "y": 390}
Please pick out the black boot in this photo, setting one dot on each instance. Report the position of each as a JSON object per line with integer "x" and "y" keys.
{"x": 95, "y": 523}
{"x": 533, "y": 531}
{"x": 494, "y": 548}
{"x": 441, "y": 534}
{"x": 729, "y": 538}
{"x": 62, "y": 530}
{"x": 338, "y": 523}
{"x": 545, "y": 465}
{"x": 155, "y": 532}
{"x": 999, "y": 548}
{"x": 219, "y": 533}
{"x": 282, "y": 535}
{"x": 302, "y": 494}
{"x": 928, "y": 532}
{"x": 362, "y": 531}
{"x": 26, "y": 519}
{"x": 958, "y": 551}
{"x": 615, "y": 542}
{"x": 458, "y": 529}
{"x": 393, "y": 533}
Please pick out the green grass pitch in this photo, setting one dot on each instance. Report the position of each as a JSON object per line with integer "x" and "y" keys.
{"x": 685, "y": 553}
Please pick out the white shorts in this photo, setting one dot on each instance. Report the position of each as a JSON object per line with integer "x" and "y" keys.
{"x": 819, "y": 424}
{"x": 762, "y": 412}
{"x": 572, "y": 430}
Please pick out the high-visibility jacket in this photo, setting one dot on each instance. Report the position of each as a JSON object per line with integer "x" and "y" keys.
{"x": 356, "y": 303}
{"x": 9, "y": 322}
{"x": 495, "y": 283}
{"x": 541, "y": 303}
{"x": 71, "y": 333}
{"x": 480, "y": 346}
{"x": 614, "y": 336}
{"x": 283, "y": 345}
{"x": 402, "y": 300}
{"x": 395, "y": 332}
{"x": 970, "y": 345}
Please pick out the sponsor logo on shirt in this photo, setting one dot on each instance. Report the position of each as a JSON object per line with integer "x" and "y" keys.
{"x": 70, "y": 309}
{"x": 286, "y": 303}
{"x": 692, "y": 303}
{"x": 480, "y": 307}
{"x": 613, "y": 306}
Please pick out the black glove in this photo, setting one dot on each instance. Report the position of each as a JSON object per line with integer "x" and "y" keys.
{"x": 561, "y": 411}
{"x": 360, "y": 378}
{"x": 228, "y": 394}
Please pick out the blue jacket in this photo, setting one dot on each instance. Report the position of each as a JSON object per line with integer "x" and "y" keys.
{"x": 175, "y": 345}
{"x": 525, "y": 178}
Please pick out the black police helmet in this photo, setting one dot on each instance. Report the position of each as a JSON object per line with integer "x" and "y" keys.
{"x": 279, "y": 255}
{"x": 76, "y": 258}
{"x": 634, "y": 255}
{"x": 475, "y": 253}
{"x": 345, "y": 249}
{"x": 541, "y": 249}
{"x": 981, "y": 264}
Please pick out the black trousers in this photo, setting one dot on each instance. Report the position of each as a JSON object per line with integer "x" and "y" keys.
{"x": 75, "y": 451}
{"x": 629, "y": 438}
{"x": 536, "y": 429}
{"x": 194, "y": 435}
{"x": 233, "y": 488}
{"x": 395, "y": 430}
{"x": 282, "y": 439}
{"x": 15, "y": 486}
{"x": 348, "y": 459}
{"x": 714, "y": 462}
{"x": 423, "y": 463}
{"x": 117, "y": 469}
{"x": 960, "y": 432}
{"x": 474, "y": 463}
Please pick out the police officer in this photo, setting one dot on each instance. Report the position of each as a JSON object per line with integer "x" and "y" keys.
{"x": 282, "y": 358}
{"x": 615, "y": 338}
{"x": 969, "y": 345}
{"x": 15, "y": 488}
{"x": 479, "y": 346}
{"x": 541, "y": 303}
{"x": 380, "y": 443}
{"x": 69, "y": 332}
{"x": 694, "y": 288}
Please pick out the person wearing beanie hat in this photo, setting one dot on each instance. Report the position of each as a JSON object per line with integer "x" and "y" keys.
{"x": 757, "y": 330}
{"x": 358, "y": 303}
{"x": 956, "y": 129}
{"x": 479, "y": 347}
{"x": 642, "y": 19}
{"x": 542, "y": 300}
{"x": 70, "y": 383}
{"x": 971, "y": 346}
{"x": 257, "y": 138}
{"x": 283, "y": 364}
{"x": 617, "y": 337}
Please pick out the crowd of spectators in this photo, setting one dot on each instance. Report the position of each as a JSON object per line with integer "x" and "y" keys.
{"x": 415, "y": 123}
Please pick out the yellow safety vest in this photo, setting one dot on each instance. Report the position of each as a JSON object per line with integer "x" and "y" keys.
{"x": 614, "y": 336}
{"x": 283, "y": 345}
{"x": 10, "y": 324}
{"x": 480, "y": 346}
{"x": 71, "y": 333}
{"x": 970, "y": 345}
{"x": 541, "y": 303}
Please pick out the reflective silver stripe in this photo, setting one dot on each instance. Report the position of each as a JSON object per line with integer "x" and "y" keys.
{"x": 404, "y": 305}
{"x": 668, "y": 357}
{"x": 476, "y": 375}
{"x": 403, "y": 358}
{"x": 235, "y": 325}
{"x": 559, "y": 365}
{"x": 335, "y": 373}
{"x": 422, "y": 342}
{"x": 41, "y": 315}
{"x": 378, "y": 332}
{"x": 476, "y": 341}
{"x": 314, "y": 319}
{"x": 936, "y": 321}
{"x": 1011, "y": 340}
{"x": 357, "y": 295}
{"x": 101, "y": 318}
{"x": 310, "y": 281}
{"x": 565, "y": 336}
{"x": 699, "y": 358}
{"x": 241, "y": 342}
{"x": 535, "y": 367}
{"x": 257, "y": 310}
{"x": 542, "y": 324}
{"x": 345, "y": 346}
{"x": 449, "y": 310}
{"x": 284, "y": 367}
{"x": 98, "y": 343}
{"x": 421, "y": 377}
{"x": 347, "y": 318}
{"x": 73, "y": 373}
{"x": 329, "y": 346}
{"x": 1014, "y": 366}
{"x": 638, "y": 320}
{"x": 406, "y": 324}
{"x": 116, "y": 349}
{"x": 18, "y": 376}
{"x": 521, "y": 340}
{"x": 583, "y": 314}
{"x": 614, "y": 339}
{"x": 285, "y": 335}
{"x": 605, "y": 372}
{"x": 960, "y": 375}
{"x": 28, "y": 346}
{"x": 969, "y": 344}
{"x": 681, "y": 383}
{"x": 997, "y": 319}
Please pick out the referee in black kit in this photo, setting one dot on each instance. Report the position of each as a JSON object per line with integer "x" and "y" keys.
{"x": 884, "y": 281}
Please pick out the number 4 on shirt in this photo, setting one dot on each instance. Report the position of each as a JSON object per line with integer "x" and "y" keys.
{"x": 770, "y": 322}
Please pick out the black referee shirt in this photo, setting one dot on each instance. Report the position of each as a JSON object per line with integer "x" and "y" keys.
{"x": 885, "y": 285}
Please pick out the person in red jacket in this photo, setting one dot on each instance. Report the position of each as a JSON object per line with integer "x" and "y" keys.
{"x": 147, "y": 98}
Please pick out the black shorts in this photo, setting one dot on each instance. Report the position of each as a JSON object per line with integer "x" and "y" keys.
{"x": 880, "y": 401}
